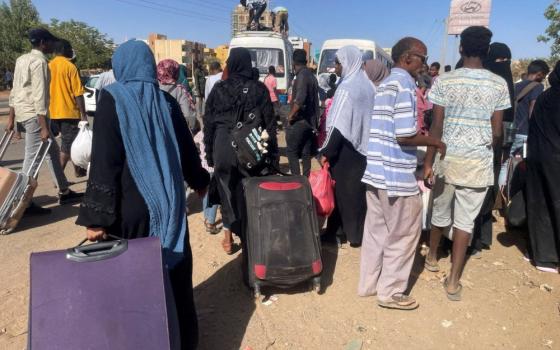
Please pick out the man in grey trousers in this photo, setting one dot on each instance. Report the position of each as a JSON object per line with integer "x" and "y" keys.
{"x": 29, "y": 103}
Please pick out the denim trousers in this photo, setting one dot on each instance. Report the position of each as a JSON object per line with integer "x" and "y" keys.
{"x": 33, "y": 144}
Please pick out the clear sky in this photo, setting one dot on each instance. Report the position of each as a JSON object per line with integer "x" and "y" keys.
{"x": 514, "y": 22}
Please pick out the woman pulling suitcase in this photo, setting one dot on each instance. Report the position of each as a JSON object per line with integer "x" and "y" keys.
{"x": 219, "y": 122}
{"x": 142, "y": 152}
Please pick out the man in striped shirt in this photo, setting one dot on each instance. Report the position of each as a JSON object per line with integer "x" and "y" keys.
{"x": 394, "y": 217}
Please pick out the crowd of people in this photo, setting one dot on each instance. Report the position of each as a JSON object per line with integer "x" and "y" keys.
{"x": 410, "y": 149}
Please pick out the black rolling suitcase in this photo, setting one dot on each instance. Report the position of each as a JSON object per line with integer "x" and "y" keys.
{"x": 282, "y": 233}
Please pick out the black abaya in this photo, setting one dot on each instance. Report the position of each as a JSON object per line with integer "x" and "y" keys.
{"x": 482, "y": 234}
{"x": 113, "y": 201}
{"x": 218, "y": 123}
{"x": 543, "y": 167}
{"x": 347, "y": 167}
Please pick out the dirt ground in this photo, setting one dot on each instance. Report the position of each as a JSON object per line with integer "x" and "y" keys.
{"x": 507, "y": 303}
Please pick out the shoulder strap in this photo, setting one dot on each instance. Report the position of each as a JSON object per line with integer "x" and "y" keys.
{"x": 241, "y": 101}
{"x": 526, "y": 91}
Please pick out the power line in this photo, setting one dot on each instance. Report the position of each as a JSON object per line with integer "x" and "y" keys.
{"x": 180, "y": 9}
{"x": 174, "y": 12}
{"x": 206, "y": 4}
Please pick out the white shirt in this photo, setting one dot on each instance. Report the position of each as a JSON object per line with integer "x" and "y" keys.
{"x": 105, "y": 79}
{"x": 30, "y": 94}
{"x": 210, "y": 82}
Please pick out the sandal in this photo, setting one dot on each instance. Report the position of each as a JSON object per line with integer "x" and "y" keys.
{"x": 455, "y": 296}
{"x": 431, "y": 266}
{"x": 211, "y": 228}
{"x": 228, "y": 246}
{"x": 399, "y": 302}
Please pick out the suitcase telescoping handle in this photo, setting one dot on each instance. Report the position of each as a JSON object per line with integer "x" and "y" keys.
{"x": 5, "y": 142}
{"x": 39, "y": 158}
{"x": 97, "y": 251}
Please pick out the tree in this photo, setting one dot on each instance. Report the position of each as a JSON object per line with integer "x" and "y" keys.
{"x": 552, "y": 33}
{"x": 16, "y": 18}
{"x": 93, "y": 49}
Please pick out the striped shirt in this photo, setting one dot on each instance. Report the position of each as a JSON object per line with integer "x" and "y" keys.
{"x": 391, "y": 166}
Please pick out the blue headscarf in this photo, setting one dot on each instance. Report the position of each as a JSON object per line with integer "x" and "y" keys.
{"x": 150, "y": 144}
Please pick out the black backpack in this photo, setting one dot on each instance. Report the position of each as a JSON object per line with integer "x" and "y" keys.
{"x": 246, "y": 133}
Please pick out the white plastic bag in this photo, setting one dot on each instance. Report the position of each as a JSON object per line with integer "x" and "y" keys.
{"x": 81, "y": 148}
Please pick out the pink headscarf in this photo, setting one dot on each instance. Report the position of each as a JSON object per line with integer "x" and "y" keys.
{"x": 168, "y": 72}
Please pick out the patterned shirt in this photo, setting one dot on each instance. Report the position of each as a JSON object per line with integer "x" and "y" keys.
{"x": 391, "y": 166}
{"x": 470, "y": 97}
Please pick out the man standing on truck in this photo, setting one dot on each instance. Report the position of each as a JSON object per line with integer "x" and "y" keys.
{"x": 280, "y": 20}
{"x": 256, "y": 9}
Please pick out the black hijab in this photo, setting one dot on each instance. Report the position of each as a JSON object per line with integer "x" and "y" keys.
{"x": 256, "y": 74}
{"x": 544, "y": 125}
{"x": 239, "y": 64}
{"x": 503, "y": 69}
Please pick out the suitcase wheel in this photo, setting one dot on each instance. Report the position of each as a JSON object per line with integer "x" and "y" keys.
{"x": 257, "y": 291}
{"x": 316, "y": 285}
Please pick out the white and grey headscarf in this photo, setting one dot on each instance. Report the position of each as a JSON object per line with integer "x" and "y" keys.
{"x": 353, "y": 101}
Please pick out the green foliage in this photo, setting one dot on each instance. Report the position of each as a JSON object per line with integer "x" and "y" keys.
{"x": 16, "y": 18}
{"x": 93, "y": 49}
{"x": 552, "y": 33}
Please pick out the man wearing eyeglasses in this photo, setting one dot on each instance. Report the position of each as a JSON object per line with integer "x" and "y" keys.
{"x": 394, "y": 206}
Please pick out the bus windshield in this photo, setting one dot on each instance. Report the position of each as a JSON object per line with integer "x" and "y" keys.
{"x": 328, "y": 57}
{"x": 263, "y": 58}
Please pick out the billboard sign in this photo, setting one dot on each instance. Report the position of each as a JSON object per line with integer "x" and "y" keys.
{"x": 466, "y": 13}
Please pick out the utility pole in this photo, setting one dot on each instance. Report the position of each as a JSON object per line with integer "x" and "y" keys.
{"x": 444, "y": 48}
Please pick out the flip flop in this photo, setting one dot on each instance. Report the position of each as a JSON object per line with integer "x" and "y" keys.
{"x": 455, "y": 296}
{"x": 431, "y": 266}
{"x": 402, "y": 302}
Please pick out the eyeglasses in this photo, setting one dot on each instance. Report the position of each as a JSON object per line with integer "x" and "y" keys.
{"x": 423, "y": 58}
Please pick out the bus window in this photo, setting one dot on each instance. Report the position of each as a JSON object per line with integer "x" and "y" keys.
{"x": 263, "y": 58}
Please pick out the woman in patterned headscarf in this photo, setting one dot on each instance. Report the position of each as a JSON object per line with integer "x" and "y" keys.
{"x": 167, "y": 75}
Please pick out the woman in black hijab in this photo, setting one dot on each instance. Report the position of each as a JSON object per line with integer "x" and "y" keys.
{"x": 218, "y": 123}
{"x": 543, "y": 168}
{"x": 498, "y": 62}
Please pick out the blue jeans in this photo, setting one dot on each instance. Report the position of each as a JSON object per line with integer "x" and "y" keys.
{"x": 517, "y": 144}
{"x": 209, "y": 212}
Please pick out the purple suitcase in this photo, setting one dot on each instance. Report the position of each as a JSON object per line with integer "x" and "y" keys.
{"x": 108, "y": 295}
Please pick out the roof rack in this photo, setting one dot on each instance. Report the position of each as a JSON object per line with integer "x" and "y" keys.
{"x": 262, "y": 34}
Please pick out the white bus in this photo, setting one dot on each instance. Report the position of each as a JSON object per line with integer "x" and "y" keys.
{"x": 268, "y": 49}
{"x": 369, "y": 48}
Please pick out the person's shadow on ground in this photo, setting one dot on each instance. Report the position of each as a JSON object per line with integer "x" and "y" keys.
{"x": 514, "y": 237}
{"x": 58, "y": 213}
{"x": 225, "y": 305}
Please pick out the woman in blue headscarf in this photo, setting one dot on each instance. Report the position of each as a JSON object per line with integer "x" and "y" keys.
{"x": 141, "y": 155}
